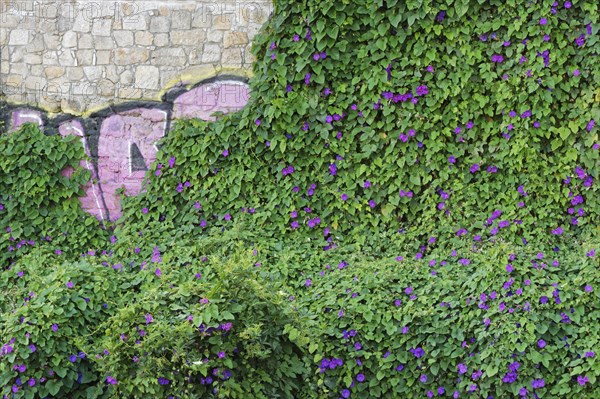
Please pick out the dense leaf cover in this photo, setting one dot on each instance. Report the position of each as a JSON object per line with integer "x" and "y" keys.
{"x": 407, "y": 207}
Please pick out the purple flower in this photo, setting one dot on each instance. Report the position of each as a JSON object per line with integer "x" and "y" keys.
{"x": 69, "y": 284}
{"x": 543, "y": 21}
{"x": 332, "y": 169}
{"x": 55, "y": 327}
{"x": 541, "y": 343}
{"x": 422, "y": 90}
{"x": 172, "y": 162}
{"x": 474, "y": 168}
{"x": 536, "y": 384}
{"x": 582, "y": 379}
{"x": 372, "y": 204}
{"x": 111, "y": 380}
{"x": 307, "y": 79}
{"x": 423, "y": 378}
{"x": 149, "y": 318}
{"x": 344, "y": 197}
{"x": 497, "y": 59}
{"x": 360, "y": 377}
{"x": 590, "y": 125}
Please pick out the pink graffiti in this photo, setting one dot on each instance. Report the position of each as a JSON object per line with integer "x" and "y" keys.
{"x": 140, "y": 127}
{"x": 204, "y": 100}
{"x": 127, "y": 141}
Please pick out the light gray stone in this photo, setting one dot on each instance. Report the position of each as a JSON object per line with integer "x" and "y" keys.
{"x": 37, "y": 44}
{"x": 123, "y": 38}
{"x": 181, "y": 19}
{"x": 86, "y": 41}
{"x": 85, "y": 57}
{"x": 102, "y": 27}
{"x": 17, "y": 53}
{"x": 82, "y": 23}
{"x": 132, "y": 55}
{"x": 103, "y": 57}
{"x": 69, "y": 39}
{"x": 66, "y": 58}
{"x": 74, "y": 73}
{"x": 147, "y": 77}
{"x": 161, "y": 39}
{"x": 169, "y": 57}
{"x": 202, "y": 21}
{"x": 50, "y": 58}
{"x": 214, "y": 36}
{"x": 32, "y": 59}
{"x": 52, "y": 41}
{"x": 127, "y": 77}
{"x": 232, "y": 57}
{"x": 18, "y": 37}
{"x": 144, "y": 38}
{"x": 3, "y": 36}
{"x": 160, "y": 24}
{"x": 104, "y": 43}
{"x": 92, "y": 73}
{"x": 137, "y": 21}
{"x": 194, "y": 37}
{"x": 19, "y": 68}
{"x": 211, "y": 53}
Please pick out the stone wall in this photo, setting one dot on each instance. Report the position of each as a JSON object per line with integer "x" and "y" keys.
{"x": 77, "y": 56}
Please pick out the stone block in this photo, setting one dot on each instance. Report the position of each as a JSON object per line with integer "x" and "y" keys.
{"x": 53, "y": 72}
{"x": 35, "y": 83}
{"x": 131, "y": 55}
{"x": 194, "y": 37}
{"x": 4, "y": 68}
{"x": 17, "y": 53}
{"x": 85, "y": 57}
{"x": 123, "y": 38}
{"x": 52, "y": 41}
{"x": 103, "y": 57}
{"x": 161, "y": 39}
{"x": 181, "y": 19}
{"x": 222, "y": 22}
{"x": 137, "y": 22}
{"x": 67, "y": 58}
{"x": 102, "y": 27}
{"x": 235, "y": 38}
{"x": 214, "y": 36}
{"x": 232, "y": 57}
{"x": 169, "y": 57}
{"x": 18, "y": 37}
{"x": 202, "y": 21}
{"x": 211, "y": 53}
{"x": 104, "y": 43}
{"x": 32, "y": 59}
{"x": 86, "y": 41}
{"x": 74, "y": 73}
{"x": 19, "y": 68}
{"x": 82, "y": 23}
{"x": 144, "y": 38}
{"x": 69, "y": 39}
{"x": 160, "y": 24}
{"x": 147, "y": 77}
{"x": 50, "y": 58}
{"x": 127, "y": 78}
{"x": 92, "y": 73}
{"x": 37, "y": 70}
{"x": 37, "y": 44}
{"x": 3, "y": 36}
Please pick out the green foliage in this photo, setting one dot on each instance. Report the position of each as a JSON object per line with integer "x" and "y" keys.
{"x": 39, "y": 201}
{"x": 349, "y": 178}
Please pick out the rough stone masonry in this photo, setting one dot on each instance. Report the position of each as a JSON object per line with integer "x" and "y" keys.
{"x": 77, "y": 56}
